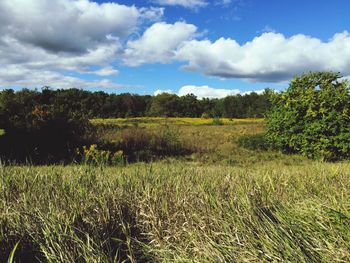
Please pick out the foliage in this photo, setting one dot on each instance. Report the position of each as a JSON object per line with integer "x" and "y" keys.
{"x": 205, "y": 115}
{"x": 103, "y": 105}
{"x": 164, "y": 105}
{"x": 217, "y": 121}
{"x": 40, "y": 133}
{"x": 93, "y": 155}
{"x": 312, "y": 117}
{"x": 253, "y": 142}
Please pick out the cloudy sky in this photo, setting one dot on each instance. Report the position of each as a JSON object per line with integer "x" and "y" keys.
{"x": 211, "y": 48}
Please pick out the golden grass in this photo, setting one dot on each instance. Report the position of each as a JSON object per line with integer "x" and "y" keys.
{"x": 223, "y": 204}
{"x": 176, "y": 212}
{"x": 212, "y": 143}
{"x": 153, "y": 121}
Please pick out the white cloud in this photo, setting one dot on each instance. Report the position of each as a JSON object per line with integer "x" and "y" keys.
{"x": 158, "y": 43}
{"x": 207, "y": 92}
{"x": 260, "y": 91}
{"x": 64, "y": 38}
{"x": 68, "y": 25}
{"x": 104, "y": 72}
{"x": 17, "y": 76}
{"x": 184, "y": 3}
{"x": 48, "y": 40}
{"x": 270, "y": 57}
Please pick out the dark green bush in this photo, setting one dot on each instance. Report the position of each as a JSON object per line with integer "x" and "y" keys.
{"x": 217, "y": 122}
{"x": 253, "y": 142}
{"x": 312, "y": 117}
{"x": 40, "y": 134}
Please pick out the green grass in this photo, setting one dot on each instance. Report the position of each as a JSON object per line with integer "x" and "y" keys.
{"x": 177, "y": 212}
{"x": 211, "y": 144}
{"x": 223, "y": 203}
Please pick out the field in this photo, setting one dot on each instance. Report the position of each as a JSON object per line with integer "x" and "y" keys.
{"x": 155, "y": 121}
{"x": 222, "y": 203}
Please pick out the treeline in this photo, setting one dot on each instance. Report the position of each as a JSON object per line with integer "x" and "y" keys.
{"x": 48, "y": 126}
{"x": 104, "y": 105}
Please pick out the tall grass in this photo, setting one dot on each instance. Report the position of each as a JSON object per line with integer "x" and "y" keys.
{"x": 176, "y": 212}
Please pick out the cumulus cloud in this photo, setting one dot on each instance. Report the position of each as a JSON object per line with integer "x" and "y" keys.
{"x": 18, "y": 76}
{"x": 60, "y": 37}
{"x": 51, "y": 38}
{"x": 108, "y": 71}
{"x": 158, "y": 43}
{"x": 184, "y": 3}
{"x": 67, "y": 25}
{"x": 207, "y": 92}
{"x": 270, "y": 57}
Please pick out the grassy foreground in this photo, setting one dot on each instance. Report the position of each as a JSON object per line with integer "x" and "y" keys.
{"x": 176, "y": 212}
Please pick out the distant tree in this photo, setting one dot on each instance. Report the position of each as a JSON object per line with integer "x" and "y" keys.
{"x": 312, "y": 117}
{"x": 78, "y": 102}
{"x": 165, "y": 105}
{"x": 189, "y": 106}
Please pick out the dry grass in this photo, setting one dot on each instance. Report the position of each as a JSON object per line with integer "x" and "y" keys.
{"x": 177, "y": 212}
{"x": 155, "y": 121}
{"x": 222, "y": 204}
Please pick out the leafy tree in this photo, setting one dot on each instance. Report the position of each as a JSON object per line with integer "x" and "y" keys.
{"x": 38, "y": 132}
{"x": 103, "y": 105}
{"x": 165, "y": 105}
{"x": 312, "y": 117}
{"x": 189, "y": 106}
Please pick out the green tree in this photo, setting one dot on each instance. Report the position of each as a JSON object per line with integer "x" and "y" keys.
{"x": 189, "y": 106}
{"x": 165, "y": 105}
{"x": 312, "y": 117}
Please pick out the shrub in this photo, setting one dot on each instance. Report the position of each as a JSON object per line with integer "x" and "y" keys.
{"x": 253, "y": 142}
{"x": 312, "y": 117}
{"x": 217, "y": 121}
{"x": 205, "y": 115}
{"x": 42, "y": 134}
{"x": 139, "y": 144}
{"x": 93, "y": 155}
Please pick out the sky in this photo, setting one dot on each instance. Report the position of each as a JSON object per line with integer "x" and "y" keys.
{"x": 209, "y": 48}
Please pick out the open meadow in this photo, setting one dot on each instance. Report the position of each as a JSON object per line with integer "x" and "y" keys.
{"x": 174, "y": 131}
{"x": 221, "y": 202}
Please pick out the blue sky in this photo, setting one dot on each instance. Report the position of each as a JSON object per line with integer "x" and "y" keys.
{"x": 209, "y": 48}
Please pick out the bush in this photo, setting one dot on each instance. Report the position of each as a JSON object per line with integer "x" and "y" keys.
{"x": 139, "y": 144}
{"x": 312, "y": 117}
{"x": 217, "y": 121}
{"x": 42, "y": 134}
{"x": 253, "y": 142}
{"x": 93, "y": 155}
{"x": 205, "y": 115}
